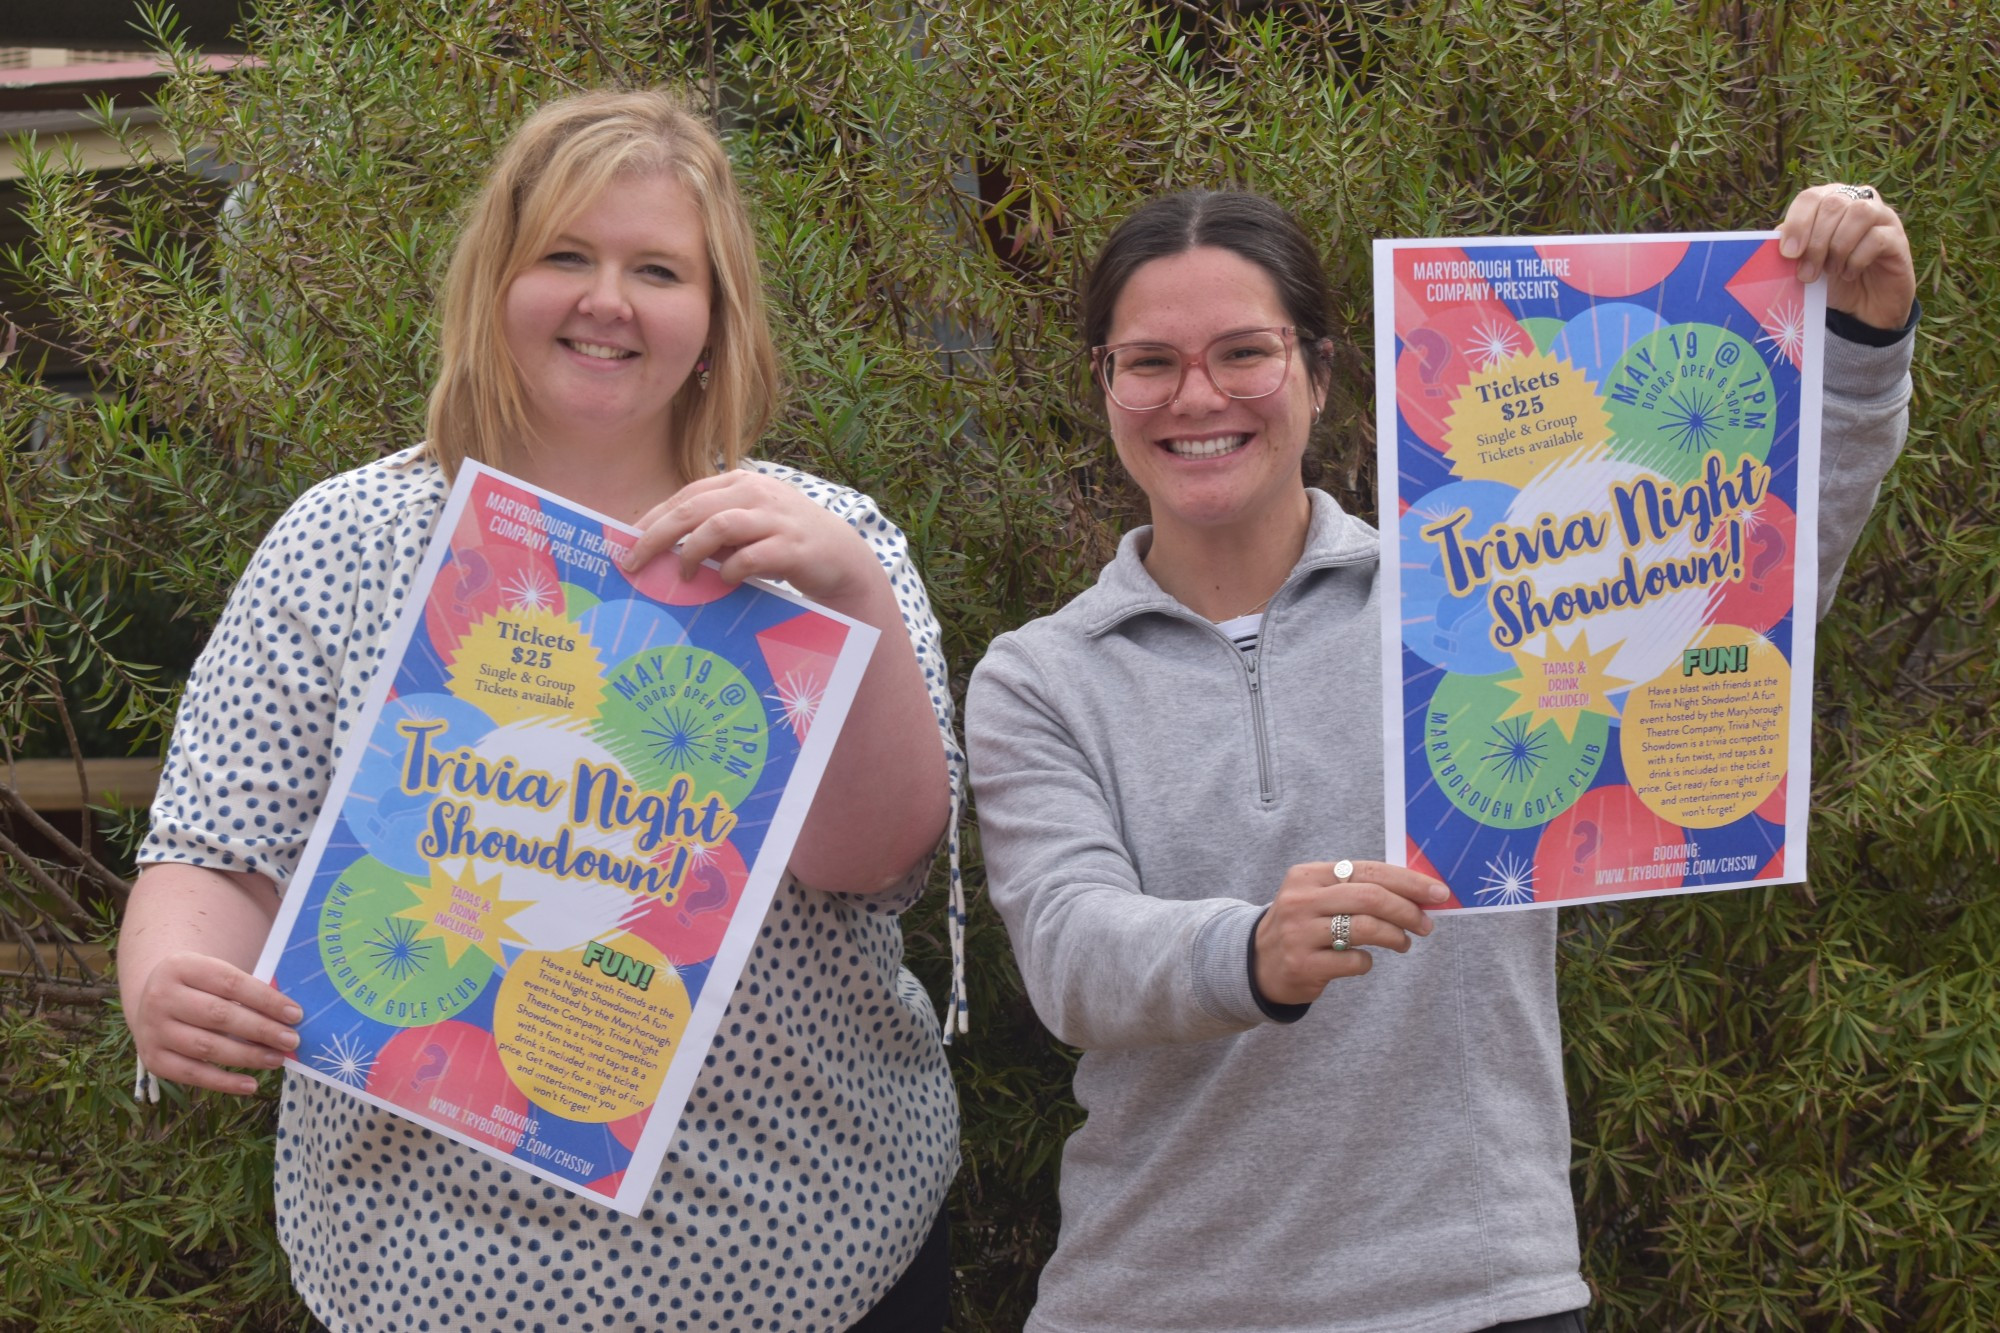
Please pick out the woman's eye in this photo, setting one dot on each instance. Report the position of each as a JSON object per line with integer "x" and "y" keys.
{"x": 564, "y": 257}
{"x": 660, "y": 271}
{"x": 1146, "y": 363}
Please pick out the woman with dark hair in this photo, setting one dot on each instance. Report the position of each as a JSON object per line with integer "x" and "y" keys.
{"x": 603, "y": 337}
{"x": 1179, "y": 784}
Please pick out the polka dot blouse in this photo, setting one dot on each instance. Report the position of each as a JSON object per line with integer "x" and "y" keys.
{"x": 818, "y": 1144}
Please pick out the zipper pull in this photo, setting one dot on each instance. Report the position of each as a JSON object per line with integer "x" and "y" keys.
{"x": 1250, "y": 665}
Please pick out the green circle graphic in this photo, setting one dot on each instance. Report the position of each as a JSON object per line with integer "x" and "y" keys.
{"x": 1686, "y": 391}
{"x": 1507, "y": 772}
{"x": 685, "y": 710}
{"x": 388, "y": 966}
{"x": 1543, "y": 330}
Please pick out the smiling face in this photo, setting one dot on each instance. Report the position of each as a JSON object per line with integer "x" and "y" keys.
{"x": 605, "y": 324}
{"x": 1206, "y": 460}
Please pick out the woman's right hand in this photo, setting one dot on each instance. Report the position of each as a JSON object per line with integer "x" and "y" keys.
{"x": 1295, "y": 954}
{"x": 197, "y": 1014}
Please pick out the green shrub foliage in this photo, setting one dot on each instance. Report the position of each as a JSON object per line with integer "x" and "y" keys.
{"x": 1781, "y": 1098}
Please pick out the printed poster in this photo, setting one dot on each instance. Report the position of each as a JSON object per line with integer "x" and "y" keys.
{"x": 1599, "y": 476}
{"x": 527, "y": 904}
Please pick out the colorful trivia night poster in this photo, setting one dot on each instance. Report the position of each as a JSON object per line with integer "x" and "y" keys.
{"x": 1599, "y": 472}
{"x": 535, "y": 883}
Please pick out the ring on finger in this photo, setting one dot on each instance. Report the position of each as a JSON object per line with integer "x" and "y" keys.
{"x": 1343, "y": 870}
{"x": 1854, "y": 191}
{"x": 1340, "y": 926}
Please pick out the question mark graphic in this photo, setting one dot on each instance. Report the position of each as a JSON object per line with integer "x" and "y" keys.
{"x": 1586, "y": 835}
{"x": 1433, "y": 351}
{"x": 473, "y": 577}
{"x": 1770, "y": 544}
{"x": 433, "y": 1064}
{"x": 713, "y": 893}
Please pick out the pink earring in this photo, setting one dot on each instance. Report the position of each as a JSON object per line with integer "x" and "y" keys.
{"x": 701, "y": 372}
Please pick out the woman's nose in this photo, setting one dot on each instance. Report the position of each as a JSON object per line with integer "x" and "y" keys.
{"x": 604, "y": 298}
{"x": 1197, "y": 392}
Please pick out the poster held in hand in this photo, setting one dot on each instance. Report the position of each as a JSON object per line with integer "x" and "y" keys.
{"x": 547, "y": 852}
{"x": 1598, "y": 460}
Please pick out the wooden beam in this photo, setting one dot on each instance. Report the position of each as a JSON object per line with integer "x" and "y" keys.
{"x": 60, "y": 962}
{"x": 50, "y": 784}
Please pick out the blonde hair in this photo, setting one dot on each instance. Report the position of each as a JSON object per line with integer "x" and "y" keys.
{"x": 561, "y": 159}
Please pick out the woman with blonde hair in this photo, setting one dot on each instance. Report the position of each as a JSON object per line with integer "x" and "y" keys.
{"x": 603, "y": 337}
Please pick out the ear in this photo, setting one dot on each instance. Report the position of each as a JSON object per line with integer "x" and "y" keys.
{"x": 1322, "y": 374}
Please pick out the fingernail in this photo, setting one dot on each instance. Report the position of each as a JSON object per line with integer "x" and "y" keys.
{"x": 1438, "y": 893}
{"x": 1790, "y": 247}
{"x": 293, "y": 1013}
{"x": 1808, "y": 271}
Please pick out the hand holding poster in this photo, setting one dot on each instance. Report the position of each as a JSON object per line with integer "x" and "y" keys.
{"x": 1598, "y": 462}
{"x": 526, "y": 905}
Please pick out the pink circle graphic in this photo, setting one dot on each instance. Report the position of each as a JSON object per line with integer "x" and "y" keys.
{"x": 1772, "y": 811}
{"x": 481, "y": 580}
{"x": 451, "y": 1073}
{"x": 1607, "y": 843}
{"x": 1439, "y": 358}
{"x": 660, "y": 578}
{"x": 627, "y": 1131}
{"x": 1765, "y": 593}
{"x": 690, "y": 929}
{"x": 1414, "y": 858}
{"x": 1614, "y": 270}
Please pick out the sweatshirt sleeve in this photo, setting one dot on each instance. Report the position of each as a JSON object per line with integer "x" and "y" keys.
{"x": 1864, "y": 419}
{"x": 1106, "y": 965}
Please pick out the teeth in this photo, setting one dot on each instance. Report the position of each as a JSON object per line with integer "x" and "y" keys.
{"x": 1206, "y": 448}
{"x": 600, "y": 351}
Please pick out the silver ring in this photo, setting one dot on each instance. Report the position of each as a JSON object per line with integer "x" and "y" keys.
{"x": 1343, "y": 870}
{"x": 1854, "y": 191}
{"x": 1341, "y": 924}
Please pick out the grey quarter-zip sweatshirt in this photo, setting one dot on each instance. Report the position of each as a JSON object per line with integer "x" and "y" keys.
{"x": 1397, "y": 1159}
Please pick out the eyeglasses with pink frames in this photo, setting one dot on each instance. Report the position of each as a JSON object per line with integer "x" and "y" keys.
{"x": 1139, "y": 377}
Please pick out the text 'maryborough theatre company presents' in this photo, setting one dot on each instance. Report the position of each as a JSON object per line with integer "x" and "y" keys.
{"x": 1599, "y": 471}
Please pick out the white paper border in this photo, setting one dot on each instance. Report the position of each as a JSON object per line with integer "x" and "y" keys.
{"x": 1805, "y": 571}
{"x": 725, "y": 970}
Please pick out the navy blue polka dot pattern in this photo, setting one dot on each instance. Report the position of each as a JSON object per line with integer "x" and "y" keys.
{"x": 819, "y": 1141}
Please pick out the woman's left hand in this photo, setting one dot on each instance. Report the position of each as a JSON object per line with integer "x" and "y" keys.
{"x": 1858, "y": 243}
{"x": 758, "y": 526}
{"x": 884, "y": 799}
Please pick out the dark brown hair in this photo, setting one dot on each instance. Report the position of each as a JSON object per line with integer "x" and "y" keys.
{"x": 1258, "y": 230}
{"x": 1248, "y": 226}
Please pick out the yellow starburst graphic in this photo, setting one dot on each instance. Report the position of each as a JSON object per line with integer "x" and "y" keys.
{"x": 526, "y": 662}
{"x": 465, "y": 913}
{"x": 1563, "y": 686}
{"x": 1518, "y": 415}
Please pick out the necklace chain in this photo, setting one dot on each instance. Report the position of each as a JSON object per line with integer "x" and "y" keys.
{"x": 1255, "y": 609}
